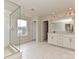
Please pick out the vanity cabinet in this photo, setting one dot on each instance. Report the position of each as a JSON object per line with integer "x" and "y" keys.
{"x": 52, "y": 39}
{"x": 63, "y": 40}
{"x": 61, "y": 32}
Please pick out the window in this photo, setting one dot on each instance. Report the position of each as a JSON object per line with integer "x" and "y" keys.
{"x": 22, "y": 27}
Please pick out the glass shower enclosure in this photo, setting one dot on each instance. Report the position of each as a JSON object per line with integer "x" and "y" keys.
{"x": 12, "y": 12}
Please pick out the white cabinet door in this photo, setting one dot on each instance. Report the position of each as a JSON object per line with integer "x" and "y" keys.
{"x": 52, "y": 39}
{"x": 73, "y": 43}
{"x": 60, "y": 41}
{"x": 66, "y": 42}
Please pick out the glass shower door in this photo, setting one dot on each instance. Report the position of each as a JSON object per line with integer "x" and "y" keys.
{"x": 14, "y": 40}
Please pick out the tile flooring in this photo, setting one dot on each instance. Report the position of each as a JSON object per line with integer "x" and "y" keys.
{"x": 43, "y": 50}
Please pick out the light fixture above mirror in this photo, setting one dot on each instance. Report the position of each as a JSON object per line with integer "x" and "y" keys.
{"x": 70, "y": 12}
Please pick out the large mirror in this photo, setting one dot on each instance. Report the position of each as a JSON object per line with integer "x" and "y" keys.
{"x": 64, "y": 25}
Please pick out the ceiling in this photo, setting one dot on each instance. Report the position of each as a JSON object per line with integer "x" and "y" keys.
{"x": 44, "y": 7}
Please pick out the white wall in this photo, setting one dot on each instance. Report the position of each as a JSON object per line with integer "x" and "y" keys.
{"x": 38, "y": 30}
{"x": 6, "y": 28}
{"x": 34, "y": 30}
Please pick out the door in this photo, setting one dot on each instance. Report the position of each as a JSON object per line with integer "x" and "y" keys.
{"x": 45, "y": 31}
{"x": 13, "y": 29}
